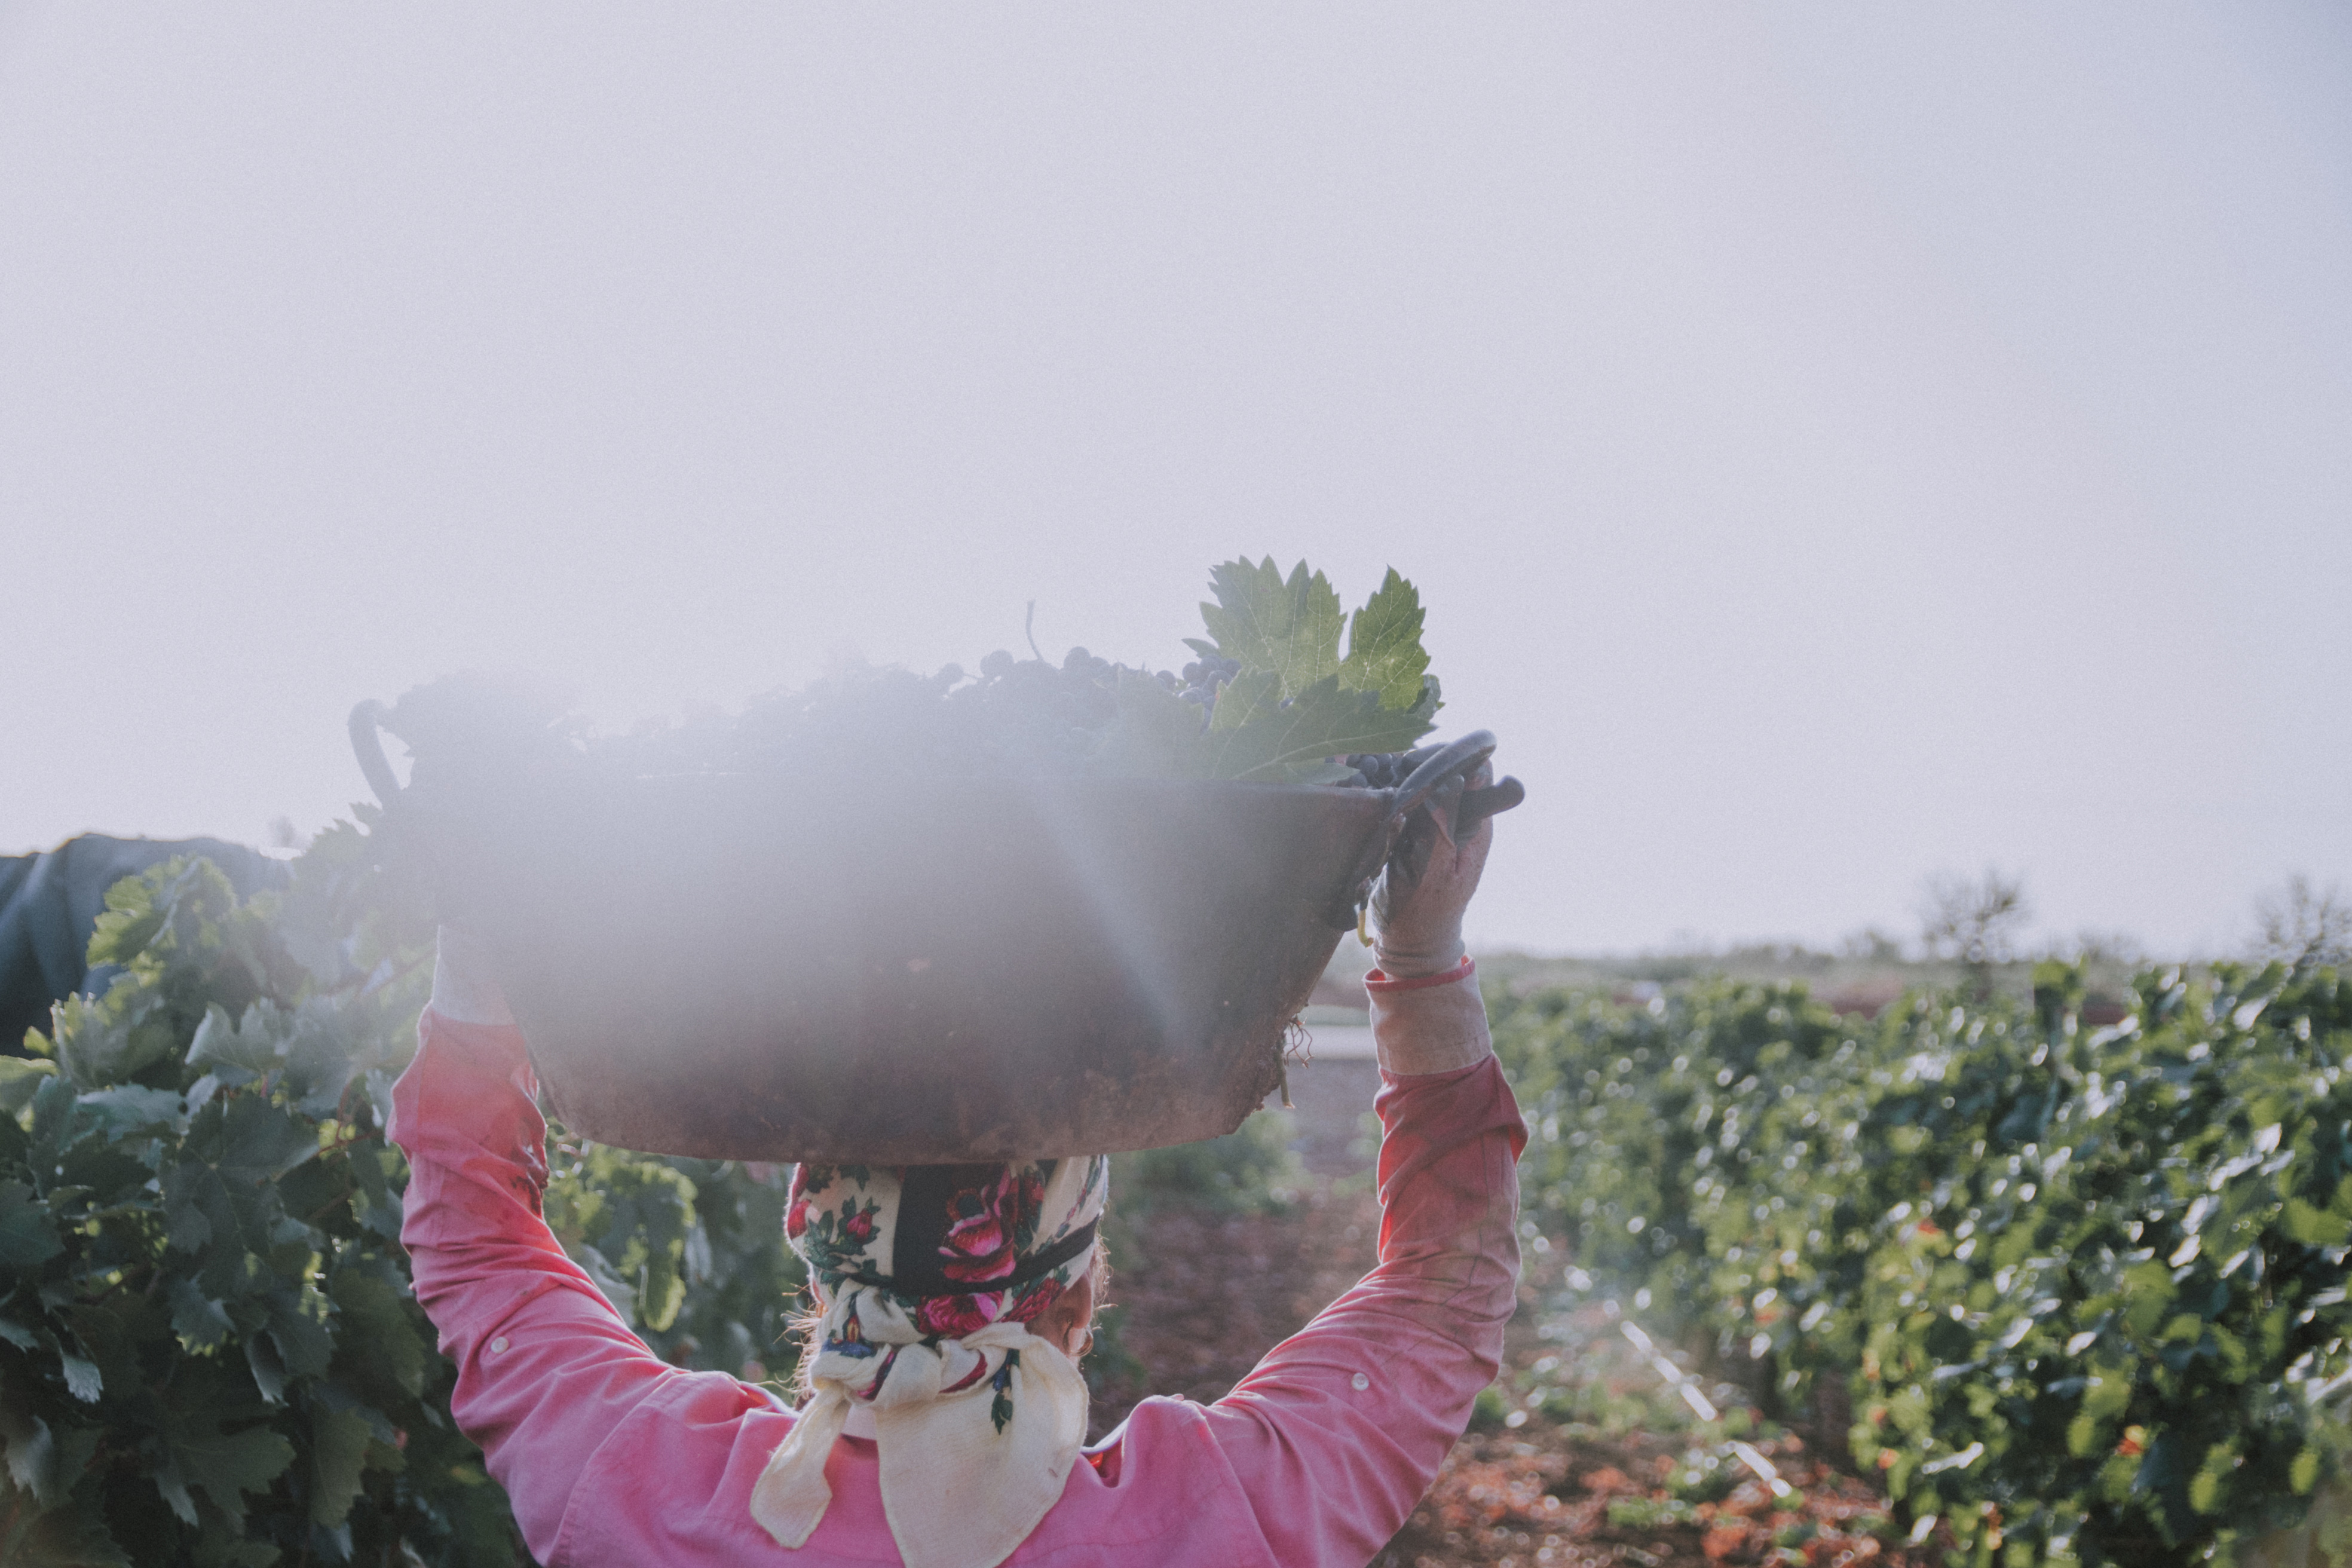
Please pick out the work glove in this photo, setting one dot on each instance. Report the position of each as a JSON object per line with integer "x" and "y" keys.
{"x": 1427, "y": 883}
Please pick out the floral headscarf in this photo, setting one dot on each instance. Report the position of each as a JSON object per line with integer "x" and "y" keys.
{"x": 928, "y": 1277}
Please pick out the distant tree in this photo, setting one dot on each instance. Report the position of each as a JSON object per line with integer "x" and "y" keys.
{"x": 2088, "y": 947}
{"x": 1975, "y": 919}
{"x": 1871, "y": 945}
{"x": 2304, "y": 926}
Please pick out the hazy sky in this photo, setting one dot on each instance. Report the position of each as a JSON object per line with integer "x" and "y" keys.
{"x": 1836, "y": 443}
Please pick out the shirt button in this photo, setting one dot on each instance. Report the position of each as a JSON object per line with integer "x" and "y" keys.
{"x": 1359, "y": 1382}
{"x": 498, "y": 1346}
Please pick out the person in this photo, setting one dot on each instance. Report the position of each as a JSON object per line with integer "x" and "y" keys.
{"x": 945, "y": 1418}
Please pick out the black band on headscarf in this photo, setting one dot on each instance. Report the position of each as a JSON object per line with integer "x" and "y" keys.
{"x": 933, "y": 1199}
{"x": 1036, "y": 1265}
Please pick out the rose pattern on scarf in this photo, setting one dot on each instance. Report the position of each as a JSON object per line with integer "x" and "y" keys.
{"x": 1035, "y": 1296}
{"x": 952, "y": 1316}
{"x": 988, "y": 1227}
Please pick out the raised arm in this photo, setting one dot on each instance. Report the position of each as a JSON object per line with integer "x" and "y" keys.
{"x": 546, "y": 1369}
{"x": 1338, "y": 1431}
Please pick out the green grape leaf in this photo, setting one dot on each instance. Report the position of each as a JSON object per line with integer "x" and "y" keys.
{"x": 1385, "y": 652}
{"x": 189, "y": 1192}
{"x": 319, "y": 1058}
{"x": 1295, "y": 703}
{"x": 1255, "y": 694}
{"x": 52, "y": 1125}
{"x": 132, "y": 1111}
{"x": 268, "y": 1368}
{"x": 1294, "y": 744}
{"x": 28, "y": 1236}
{"x": 600, "y": 1271}
{"x": 375, "y": 1334}
{"x": 224, "y": 1466}
{"x": 18, "y": 1078}
{"x": 641, "y": 1229}
{"x": 1288, "y": 626}
{"x": 70, "y": 1536}
{"x": 197, "y": 1318}
{"x": 237, "y": 1054}
{"x": 83, "y": 1379}
{"x": 248, "y": 1141}
{"x": 30, "y": 1449}
{"x": 377, "y": 1204}
{"x": 2316, "y": 1227}
{"x": 339, "y": 1446}
{"x": 303, "y": 1341}
{"x": 137, "y": 911}
{"x": 100, "y": 1045}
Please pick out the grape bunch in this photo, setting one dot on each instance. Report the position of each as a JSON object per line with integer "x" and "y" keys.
{"x": 1202, "y": 680}
{"x": 1250, "y": 707}
{"x": 1032, "y": 714}
{"x": 1015, "y": 716}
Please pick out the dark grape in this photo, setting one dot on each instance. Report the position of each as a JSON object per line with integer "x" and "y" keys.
{"x": 1018, "y": 716}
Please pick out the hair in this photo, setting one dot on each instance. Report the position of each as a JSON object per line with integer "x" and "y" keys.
{"x": 1098, "y": 1276}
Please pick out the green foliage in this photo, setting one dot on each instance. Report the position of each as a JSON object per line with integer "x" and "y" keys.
{"x": 1649, "y": 1513}
{"x": 1295, "y": 741}
{"x": 691, "y": 1251}
{"x": 1385, "y": 652}
{"x": 1251, "y": 1170}
{"x": 2086, "y": 1290}
{"x": 209, "y": 1351}
{"x": 1284, "y": 631}
{"x": 1297, "y": 704}
{"x": 1287, "y": 628}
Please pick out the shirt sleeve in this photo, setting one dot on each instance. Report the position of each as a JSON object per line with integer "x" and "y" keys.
{"x": 546, "y": 1368}
{"x": 1338, "y": 1433}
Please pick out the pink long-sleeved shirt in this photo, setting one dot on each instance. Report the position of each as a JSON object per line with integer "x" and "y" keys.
{"x": 612, "y": 1456}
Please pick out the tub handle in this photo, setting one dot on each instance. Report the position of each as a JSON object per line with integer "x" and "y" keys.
{"x": 367, "y": 745}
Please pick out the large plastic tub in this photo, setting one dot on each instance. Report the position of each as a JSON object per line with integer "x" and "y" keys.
{"x": 746, "y": 967}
